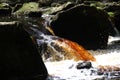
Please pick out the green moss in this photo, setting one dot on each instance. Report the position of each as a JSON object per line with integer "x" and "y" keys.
{"x": 27, "y": 7}
{"x": 111, "y": 14}
{"x": 98, "y": 5}
{"x": 3, "y": 5}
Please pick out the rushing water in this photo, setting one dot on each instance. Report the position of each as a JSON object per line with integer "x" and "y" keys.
{"x": 66, "y": 70}
{"x": 106, "y": 67}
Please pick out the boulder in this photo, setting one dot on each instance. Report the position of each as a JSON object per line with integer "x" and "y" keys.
{"x": 84, "y": 65}
{"x": 83, "y": 24}
{"x": 19, "y": 58}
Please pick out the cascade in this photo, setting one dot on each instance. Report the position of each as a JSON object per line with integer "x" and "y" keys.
{"x": 62, "y": 56}
{"x": 62, "y": 48}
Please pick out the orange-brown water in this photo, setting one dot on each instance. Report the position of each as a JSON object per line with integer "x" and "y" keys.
{"x": 75, "y": 50}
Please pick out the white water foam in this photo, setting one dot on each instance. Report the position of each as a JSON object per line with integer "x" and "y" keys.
{"x": 66, "y": 69}
{"x": 112, "y": 58}
{"x": 112, "y": 39}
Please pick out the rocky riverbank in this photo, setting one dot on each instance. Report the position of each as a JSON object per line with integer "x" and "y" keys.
{"x": 58, "y": 30}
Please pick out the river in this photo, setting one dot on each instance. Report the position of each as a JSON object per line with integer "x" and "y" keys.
{"x": 108, "y": 59}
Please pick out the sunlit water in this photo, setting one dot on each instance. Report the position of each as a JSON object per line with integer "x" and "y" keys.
{"x": 66, "y": 69}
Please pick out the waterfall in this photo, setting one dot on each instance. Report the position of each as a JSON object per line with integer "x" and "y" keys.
{"x": 59, "y": 48}
{"x": 106, "y": 66}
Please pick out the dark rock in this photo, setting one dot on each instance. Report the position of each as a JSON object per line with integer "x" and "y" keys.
{"x": 16, "y": 1}
{"x": 114, "y": 8}
{"x": 35, "y": 14}
{"x": 117, "y": 21}
{"x": 5, "y": 9}
{"x": 84, "y": 65}
{"x": 69, "y": 6}
{"x": 45, "y": 2}
{"x": 19, "y": 58}
{"x": 16, "y": 7}
{"x": 85, "y": 25}
{"x": 100, "y": 73}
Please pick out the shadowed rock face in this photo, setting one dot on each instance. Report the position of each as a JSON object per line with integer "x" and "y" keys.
{"x": 115, "y": 9}
{"x": 83, "y": 24}
{"x": 19, "y": 58}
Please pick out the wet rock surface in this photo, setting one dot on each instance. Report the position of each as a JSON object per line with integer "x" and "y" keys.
{"x": 84, "y": 65}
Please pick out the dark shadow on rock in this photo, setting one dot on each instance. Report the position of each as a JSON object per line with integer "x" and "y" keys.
{"x": 85, "y": 25}
{"x": 19, "y": 57}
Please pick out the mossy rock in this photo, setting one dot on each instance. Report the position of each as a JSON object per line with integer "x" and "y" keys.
{"x": 28, "y": 7}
